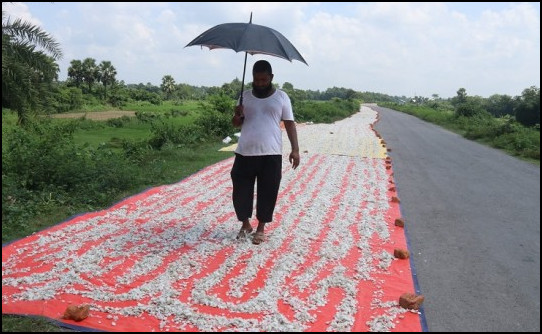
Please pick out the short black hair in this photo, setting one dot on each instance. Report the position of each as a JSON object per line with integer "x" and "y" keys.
{"x": 262, "y": 66}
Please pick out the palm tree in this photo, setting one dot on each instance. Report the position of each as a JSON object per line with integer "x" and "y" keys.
{"x": 75, "y": 73}
{"x": 168, "y": 85}
{"x": 24, "y": 69}
{"x": 90, "y": 72}
{"x": 107, "y": 74}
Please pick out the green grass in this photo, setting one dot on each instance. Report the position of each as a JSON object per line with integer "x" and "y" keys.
{"x": 191, "y": 107}
{"x": 112, "y": 136}
{"x": 15, "y": 323}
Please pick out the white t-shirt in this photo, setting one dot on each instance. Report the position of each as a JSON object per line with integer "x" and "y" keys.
{"x": 260, "y": 132}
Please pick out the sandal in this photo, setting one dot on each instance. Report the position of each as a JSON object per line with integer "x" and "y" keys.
{"x": 258, "y": 238}
{"x": 243, "y": 233}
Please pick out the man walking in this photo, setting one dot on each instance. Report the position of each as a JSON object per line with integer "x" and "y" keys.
{"x": 258, "y": 157}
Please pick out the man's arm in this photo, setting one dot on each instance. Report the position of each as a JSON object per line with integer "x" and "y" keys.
{"x": 292, "y": 136}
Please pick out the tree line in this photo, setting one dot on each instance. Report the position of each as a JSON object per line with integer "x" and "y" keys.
{"x": 30, "y": 84}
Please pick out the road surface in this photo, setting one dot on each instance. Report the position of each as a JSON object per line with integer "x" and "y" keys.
{"x": 472, "y": 216}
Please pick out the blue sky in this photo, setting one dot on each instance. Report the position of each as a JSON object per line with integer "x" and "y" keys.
{"x": 402, "y": 49}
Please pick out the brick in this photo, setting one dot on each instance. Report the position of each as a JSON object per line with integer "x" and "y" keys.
{"x": 401, "y": 253}
{"x": 411, "y": 301}
{"x": 76, "y": 312}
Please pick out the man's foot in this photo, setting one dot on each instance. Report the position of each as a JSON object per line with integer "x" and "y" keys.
{"x": 244, "y": 232}
{"x": 258, "y": 238}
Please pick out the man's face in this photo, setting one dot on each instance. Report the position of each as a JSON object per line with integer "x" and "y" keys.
{"x": 262, "y": 83}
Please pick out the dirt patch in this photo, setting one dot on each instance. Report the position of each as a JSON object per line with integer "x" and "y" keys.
{"x": 97, "y": 115}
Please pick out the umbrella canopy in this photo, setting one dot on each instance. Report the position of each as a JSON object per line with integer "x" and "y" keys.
{"x": 250, "y": 38}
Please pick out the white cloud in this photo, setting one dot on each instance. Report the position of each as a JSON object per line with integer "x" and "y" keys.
{"x": 18, "y": 10}
{"x": 393, "y": 48}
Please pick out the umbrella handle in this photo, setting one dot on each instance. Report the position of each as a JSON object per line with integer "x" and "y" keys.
{"x": 244, "y": 70}
{"x": 243, "y": 82}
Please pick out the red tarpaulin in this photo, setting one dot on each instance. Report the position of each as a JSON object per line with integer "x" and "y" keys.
{"x": 168, "y": 258}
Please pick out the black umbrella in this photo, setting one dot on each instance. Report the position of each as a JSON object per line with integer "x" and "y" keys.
{"x": 250, "y": 38}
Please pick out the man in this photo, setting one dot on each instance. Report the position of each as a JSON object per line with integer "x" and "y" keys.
{"x": 259, "y": 152}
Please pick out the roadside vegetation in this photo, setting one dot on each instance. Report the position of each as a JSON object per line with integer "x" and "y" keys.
{"x": 502, "y": 122}
{"x": 53, "y": 168}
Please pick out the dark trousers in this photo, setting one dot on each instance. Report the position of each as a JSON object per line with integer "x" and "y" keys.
{"x": 267, "y": 170}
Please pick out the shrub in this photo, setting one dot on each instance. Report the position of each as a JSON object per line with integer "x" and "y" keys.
{"x": 325, "y": 112}
{"x": 180, "y": 134}
{"x": 469, "y": 109}
{"x": 147, "y": 117}
{"x": 118, "y": 122}
{"x": 215, "y": 124}
{"x": 62, "y": 164}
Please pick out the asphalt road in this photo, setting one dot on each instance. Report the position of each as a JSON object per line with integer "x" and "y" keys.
{"x": 472, "y": 217}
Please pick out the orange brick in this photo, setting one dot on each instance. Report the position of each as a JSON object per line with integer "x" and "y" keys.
{"x": 401, "y": 253}
{"x": 411, "y": 301}
{"x": 76, "y": 312}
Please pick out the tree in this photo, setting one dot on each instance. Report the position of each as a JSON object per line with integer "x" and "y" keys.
{"x": 75, "y": 73}
{"x": 287, "y": 86}
{"x": 106, "y": 74}
{"x": 460, "y": 98}
{"x": 350, "y": 94}
{"x": 168, "y": 85}
{"x": 232, "y": 89}
{"x": 528, "y": 109}
{"x": 473, "y": 106}
{"x": 419, "y": 100}
{"x": 462, "y": 95}
{"x": 90, "y": 72}
{"x": 26, "y": 71}
{"x": 500, "y": 105}
{"x": 185, "y": 92}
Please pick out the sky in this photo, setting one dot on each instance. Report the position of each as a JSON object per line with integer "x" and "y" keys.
{"x": 399, "y": 49}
